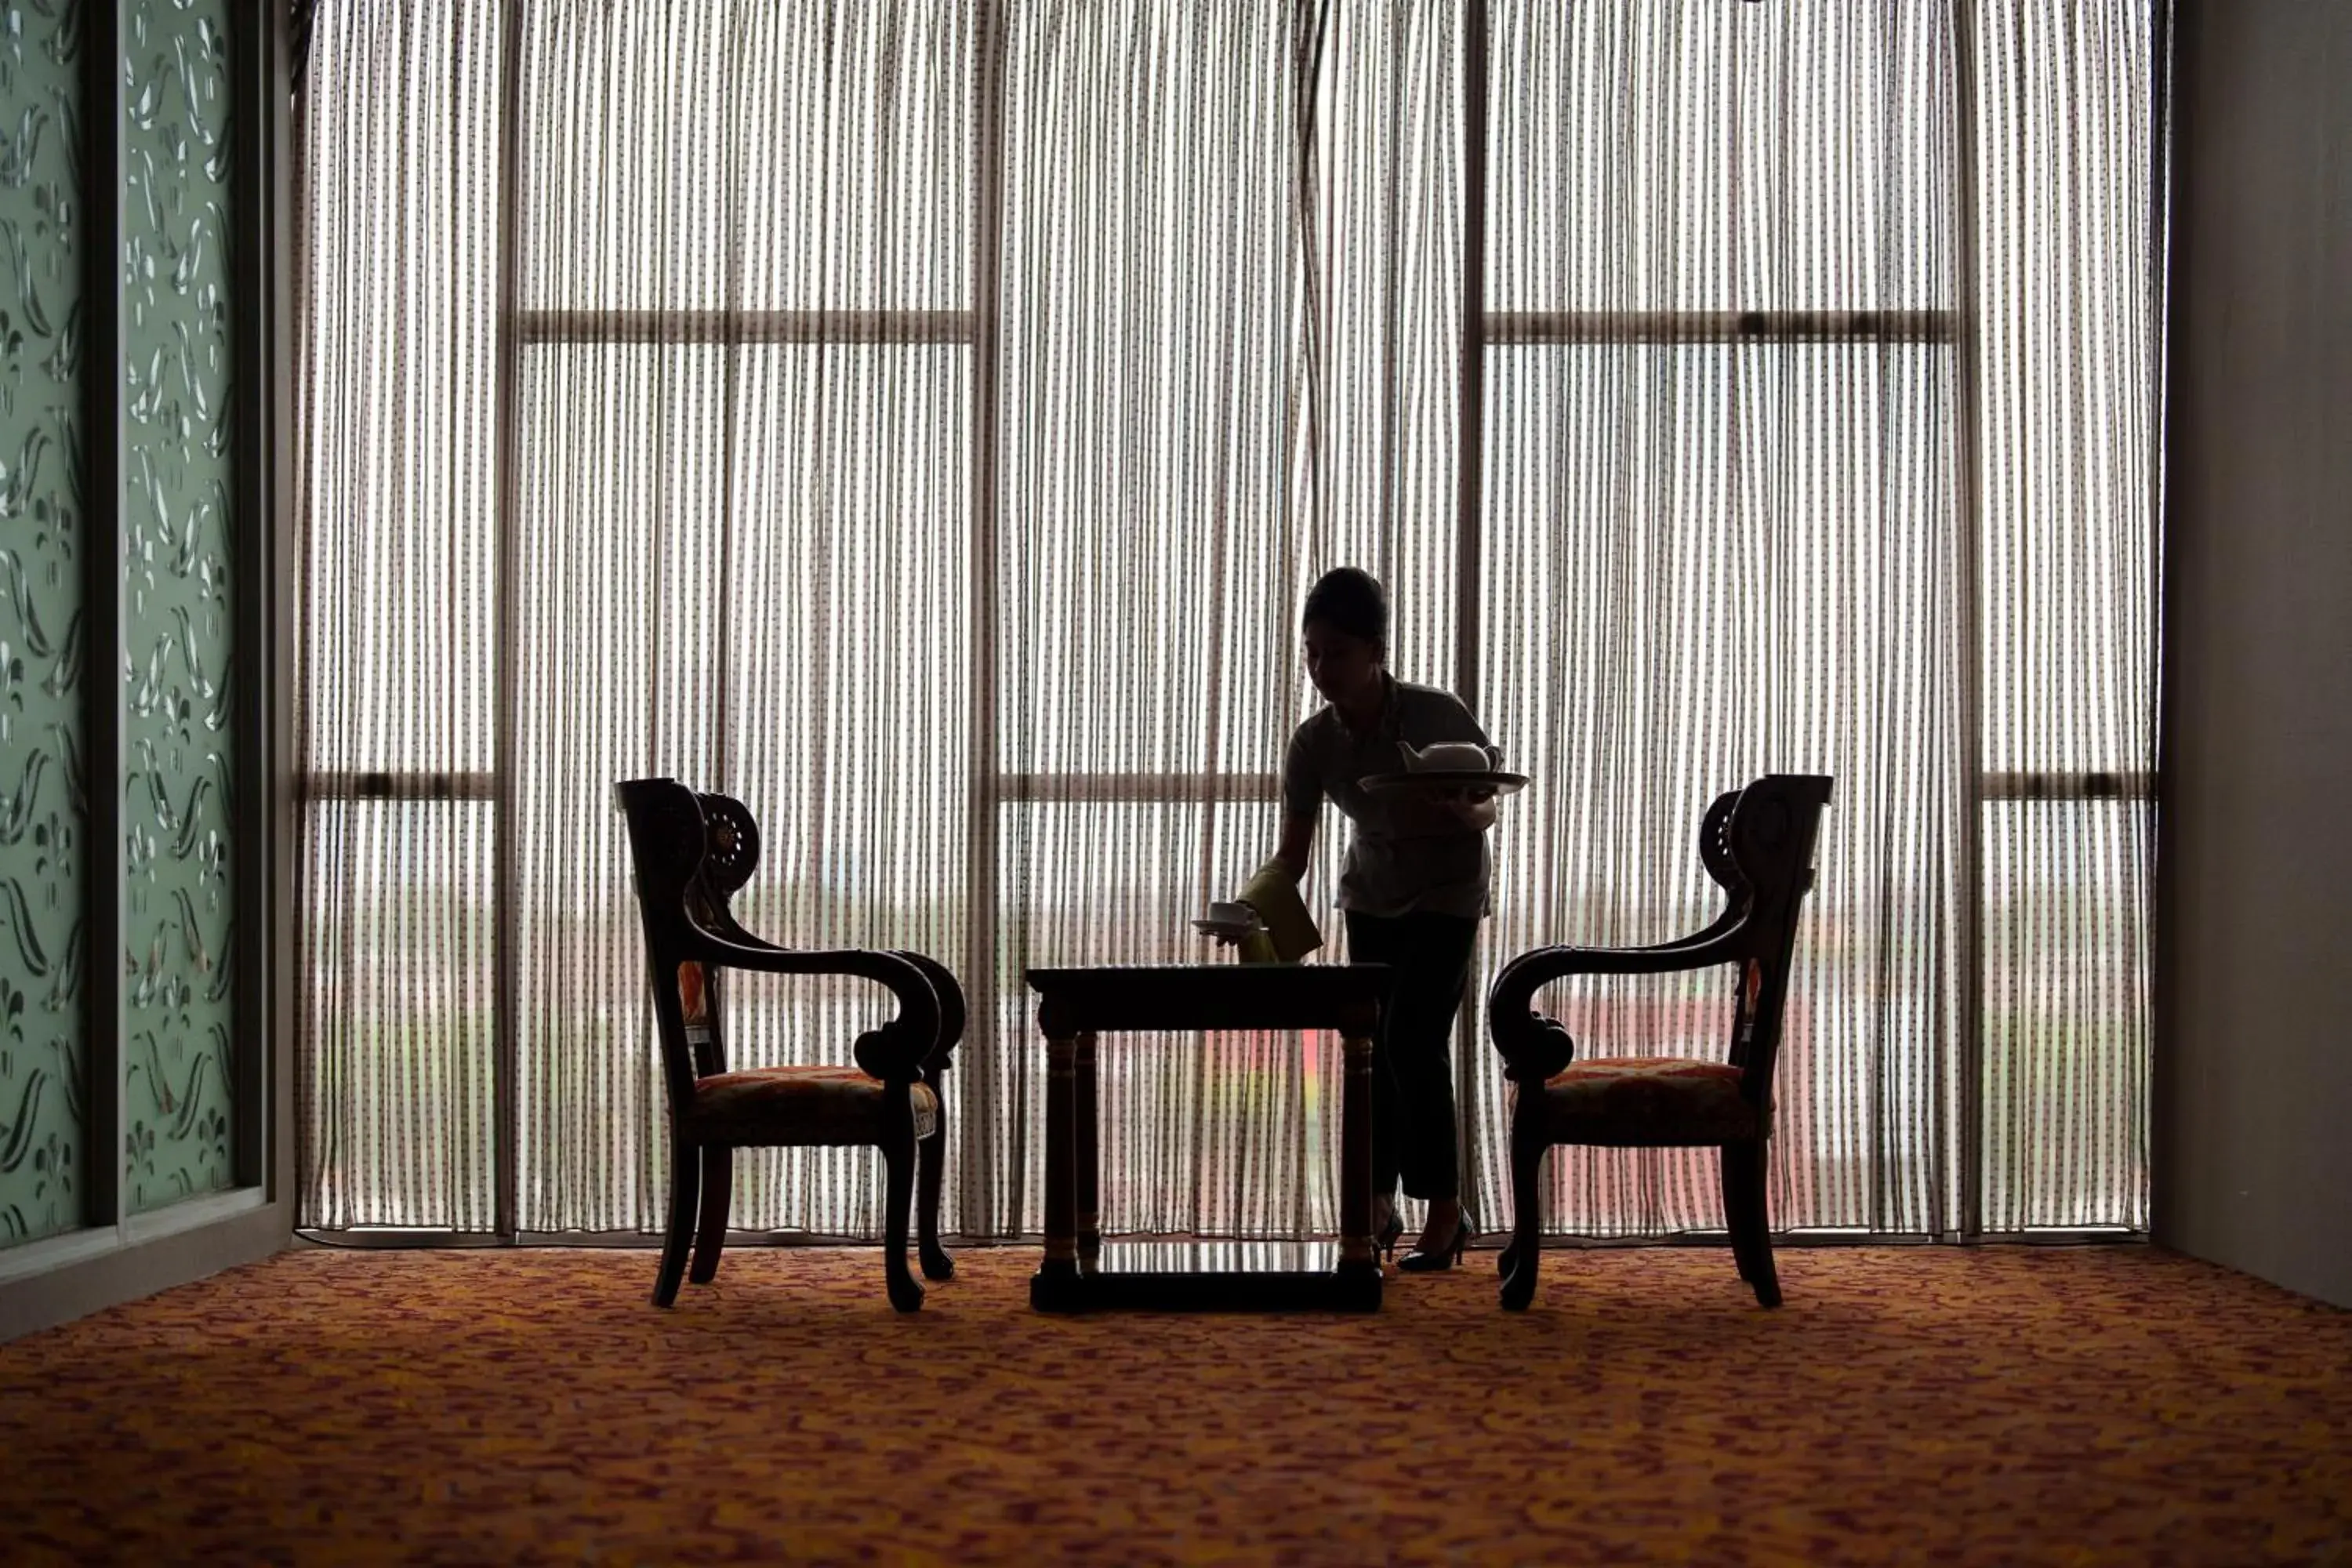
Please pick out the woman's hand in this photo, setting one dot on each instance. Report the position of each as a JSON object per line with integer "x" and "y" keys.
{"x": 1473, "y": 807}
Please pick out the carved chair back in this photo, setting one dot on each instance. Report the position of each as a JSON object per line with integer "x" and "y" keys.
{"x": 1766, "y": 845}
{"x": 1758, "y": 844}
{"x": 693, "y": 852}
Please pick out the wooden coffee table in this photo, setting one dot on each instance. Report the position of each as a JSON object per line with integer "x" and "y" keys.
{"x": 1077, "y": 1005}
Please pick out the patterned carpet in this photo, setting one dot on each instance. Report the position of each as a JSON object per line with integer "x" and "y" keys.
{"x": 2113, "y": 1404}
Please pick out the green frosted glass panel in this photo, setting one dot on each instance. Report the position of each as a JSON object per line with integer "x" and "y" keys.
{"x": 179, "y": 1025}
{"x": 43, "y": 866}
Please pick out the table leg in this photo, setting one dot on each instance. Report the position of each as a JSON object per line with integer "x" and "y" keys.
{"x": 1356, "y": 1255}
{"x": 1061, "y": 1156}
{"x": 1088, "y": 1157}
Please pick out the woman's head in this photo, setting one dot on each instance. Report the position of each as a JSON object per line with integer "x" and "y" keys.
{"x": 1346, "y": 625}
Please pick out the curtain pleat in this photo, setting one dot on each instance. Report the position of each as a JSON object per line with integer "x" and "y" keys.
{"x": 2071, "y": 311}
{"x": 922, "y": 420}
{"x": 397, "y": 503}
{"x": 742, "y": 536}
{"x": 1732, "y": 523}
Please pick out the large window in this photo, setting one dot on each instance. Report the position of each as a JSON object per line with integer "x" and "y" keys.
{"x": 921, "y": 420}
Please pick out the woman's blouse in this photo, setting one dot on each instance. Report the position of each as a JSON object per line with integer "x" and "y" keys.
{"x": 1390, "y": 868}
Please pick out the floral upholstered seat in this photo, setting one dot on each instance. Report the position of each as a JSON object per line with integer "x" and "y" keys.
{"x": 1648, "y": 1102}
{"x": 802, "y": 1105}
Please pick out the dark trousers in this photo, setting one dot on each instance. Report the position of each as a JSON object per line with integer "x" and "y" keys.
{"x": 1413, "y": 1133}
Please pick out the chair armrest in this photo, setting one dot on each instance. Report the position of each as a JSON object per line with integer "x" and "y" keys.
{"x": 1533, "y": 1046}
{"x": 897, "y": 1050}
{"x": 952, "y": 1014}
{"x": 1722, "y": 924}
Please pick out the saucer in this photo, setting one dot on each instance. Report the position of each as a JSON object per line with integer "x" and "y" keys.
{"x": 1225, "y": 928}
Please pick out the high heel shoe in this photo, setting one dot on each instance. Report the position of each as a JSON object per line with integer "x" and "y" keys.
{"x": 1446, "y": 1257}
{"x": 1384, "y": 1243}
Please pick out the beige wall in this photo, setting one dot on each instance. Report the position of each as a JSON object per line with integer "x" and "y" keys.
{"x": 2252, "y": 1121}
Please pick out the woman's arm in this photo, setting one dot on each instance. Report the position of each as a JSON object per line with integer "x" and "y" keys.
{"x": 1297, "y": 838}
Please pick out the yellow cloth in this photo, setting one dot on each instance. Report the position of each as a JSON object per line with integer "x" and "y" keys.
{"x": 1290, "y": 933}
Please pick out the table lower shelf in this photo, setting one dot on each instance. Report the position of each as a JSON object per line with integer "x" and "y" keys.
{"x": 1208, "y": 1277}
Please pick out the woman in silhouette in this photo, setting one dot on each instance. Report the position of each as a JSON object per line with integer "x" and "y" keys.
{"x": 1413, "y": 888}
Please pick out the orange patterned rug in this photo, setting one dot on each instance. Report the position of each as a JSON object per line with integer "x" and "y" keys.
{"x": 2108, "y": 1404}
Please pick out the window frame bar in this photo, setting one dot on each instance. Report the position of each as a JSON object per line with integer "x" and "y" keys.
{"x": 506, "y": 1003}
{"x": 980, "y": 1169}
{"x": 1469, "y": 529}
{"x": 730, "y": 327}
{"x": 1523, "y": 328}
{"x": 1969, "y": 375}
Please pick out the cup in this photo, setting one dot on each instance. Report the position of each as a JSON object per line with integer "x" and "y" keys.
{"x": 1232, "y": 913}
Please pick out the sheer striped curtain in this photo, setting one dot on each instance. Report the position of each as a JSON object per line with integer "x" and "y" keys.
{"x": 922, "y": 419}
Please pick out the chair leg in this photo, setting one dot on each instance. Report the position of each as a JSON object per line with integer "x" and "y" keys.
{"x": 899, "y": 1197}
{"x": 931, "y": 1157}
{"x": 685, "y": 1189}
{"x": 717, "y": 1187}
{"x": 1744, "y": 1211}
{"x": 1735, "y": 1207}
{"x": 1525, "y": 1250}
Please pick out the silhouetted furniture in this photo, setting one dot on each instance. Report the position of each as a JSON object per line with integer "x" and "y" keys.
{"x": 1758, "y": 842}
{"x": 1076, "y": 1005}
{"x": 693, "y": 852}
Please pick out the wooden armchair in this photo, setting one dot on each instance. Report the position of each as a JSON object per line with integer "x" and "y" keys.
{"x": 693, "y": 852}
{"x": 1758, "y": 843}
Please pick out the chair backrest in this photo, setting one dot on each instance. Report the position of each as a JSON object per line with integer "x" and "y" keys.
{"x": 1765, "y": 842}
{"x": 692, "y": 853}
{"x": 1714, "y": 853}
